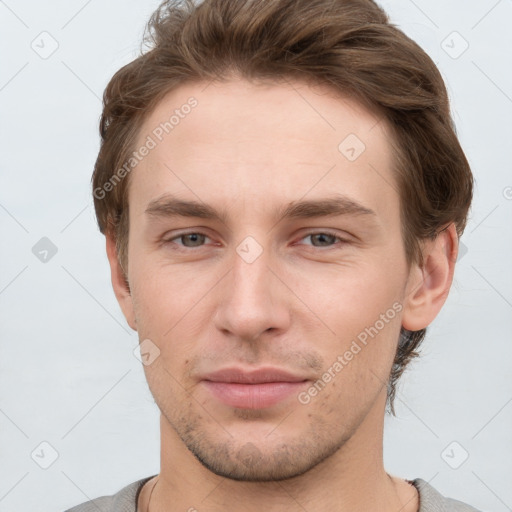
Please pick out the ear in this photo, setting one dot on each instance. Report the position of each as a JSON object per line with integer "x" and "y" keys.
{"x": 428, "y": 287}
{"x": 119, "y": 283}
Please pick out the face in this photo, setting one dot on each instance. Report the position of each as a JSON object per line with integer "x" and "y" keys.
{"x": 265, "y": 244}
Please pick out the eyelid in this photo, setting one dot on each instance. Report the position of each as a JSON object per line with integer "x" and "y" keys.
{"x": 341, "y": 239}
{"x": 311, "y": 232}
{"x": 178, "y": 235}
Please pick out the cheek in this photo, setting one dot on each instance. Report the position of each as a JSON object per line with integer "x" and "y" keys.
{"x": 361, "y": 309}
{"x": 351, "y": 296}
{"x": 356, "y": 373}
{"x": 163, "y": 295}
{"x": 171, "y": 309}
{"x": 339, "y": 398}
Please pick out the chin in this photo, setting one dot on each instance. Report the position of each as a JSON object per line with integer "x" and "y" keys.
{"x": 261, "y": 462}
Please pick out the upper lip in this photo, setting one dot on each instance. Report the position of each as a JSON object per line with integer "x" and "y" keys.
{"x": 258, "y": 376}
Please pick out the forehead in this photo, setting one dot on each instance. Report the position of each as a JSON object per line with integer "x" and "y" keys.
{"x": 261, "y": 145}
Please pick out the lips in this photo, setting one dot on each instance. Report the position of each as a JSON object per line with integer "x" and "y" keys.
{"x": 257, "y": 389}
{"x": 259, "y": 376}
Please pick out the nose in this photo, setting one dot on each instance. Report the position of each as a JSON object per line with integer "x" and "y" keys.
{"x": 252, "y": 300}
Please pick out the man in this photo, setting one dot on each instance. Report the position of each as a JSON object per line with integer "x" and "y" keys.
{"x": 282, "y": 194}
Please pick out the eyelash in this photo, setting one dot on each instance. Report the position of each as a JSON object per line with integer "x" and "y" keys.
{"x": 184, "y": 248}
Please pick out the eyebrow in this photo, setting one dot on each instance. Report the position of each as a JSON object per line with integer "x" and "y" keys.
{"x": 170, "y": 206}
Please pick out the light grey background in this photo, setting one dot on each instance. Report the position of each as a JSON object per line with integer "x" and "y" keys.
{"x": 68, "y": 376}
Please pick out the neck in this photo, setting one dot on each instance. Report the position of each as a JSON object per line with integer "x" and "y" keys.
{"x": 352, "y": 479}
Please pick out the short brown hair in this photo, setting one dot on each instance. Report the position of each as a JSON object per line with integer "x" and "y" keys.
{"x": 349, "y": 45}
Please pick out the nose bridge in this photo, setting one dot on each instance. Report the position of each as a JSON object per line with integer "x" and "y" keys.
{"x": 251, "y": 276}
{"x": 251, "y": 301}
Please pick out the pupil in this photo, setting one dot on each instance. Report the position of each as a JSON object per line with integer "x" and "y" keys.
{"x": 194, "y": 238}
{"x": 326, "y": 238}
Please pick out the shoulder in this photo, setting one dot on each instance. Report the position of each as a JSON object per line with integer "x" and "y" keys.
{"x": 124, "y": 500}
{"x": 433, "y": 501}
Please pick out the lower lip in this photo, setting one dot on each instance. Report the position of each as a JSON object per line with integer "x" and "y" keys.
{"x": 253, "y": 396}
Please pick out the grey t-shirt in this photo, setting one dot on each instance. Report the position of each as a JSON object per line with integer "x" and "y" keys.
{"x": 126, "y": 500}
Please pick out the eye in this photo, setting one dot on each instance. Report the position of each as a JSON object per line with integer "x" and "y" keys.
{"x": 323, "y": 239}
{"x": 193, "y": 239}
{"x": 197, "y": 239}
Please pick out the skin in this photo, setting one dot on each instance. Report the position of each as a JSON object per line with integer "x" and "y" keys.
{"x": 247, "y": 149}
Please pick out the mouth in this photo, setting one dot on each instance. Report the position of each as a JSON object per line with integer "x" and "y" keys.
{"x": 257, "y": 389}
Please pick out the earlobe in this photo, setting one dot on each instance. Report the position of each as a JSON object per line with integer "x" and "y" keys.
{"x": 428, "y": 286}
{"x": 120, "y": 283}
